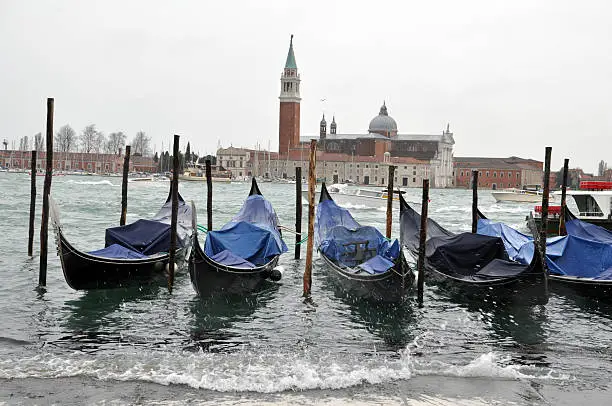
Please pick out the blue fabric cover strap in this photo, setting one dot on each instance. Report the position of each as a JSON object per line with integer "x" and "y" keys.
{"x": 226, "y": 257}
{"x": 118, "y": 252}
{"x": 377, "y": 264}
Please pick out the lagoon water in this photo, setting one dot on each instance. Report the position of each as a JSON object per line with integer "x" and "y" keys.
{"x": 149, "y": 346}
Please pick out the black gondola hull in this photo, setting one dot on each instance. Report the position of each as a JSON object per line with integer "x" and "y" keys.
{"x": 208, "y": 276}
{"x": 391, "y": 286}
{"x": 597, "y": 289}
{"x": 86, "y": 272}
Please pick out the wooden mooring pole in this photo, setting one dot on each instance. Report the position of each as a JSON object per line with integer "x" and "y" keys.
{"x": 562, "y": 230}
{"x": 298, "y": 211}
{"x": 209, "y": 223}
{"x": 174, "y": 215}
{"x": 44, "y": 224}
{"x": 32, "y": 202}
{"x": 544, "y": 219}
{"x": 474, "y": 201}
{"x": 124, "y": 185}
{"x": 312, "y": 183}
{"x": 422, "y": 241}
{"x": 390, "y": 200}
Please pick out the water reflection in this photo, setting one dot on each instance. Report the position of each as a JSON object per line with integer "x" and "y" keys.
{"x": 214, "y": 318}
{"x": 96, "y": 319}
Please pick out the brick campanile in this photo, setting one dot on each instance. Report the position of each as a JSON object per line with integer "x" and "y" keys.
{"x": 289, "y": 117}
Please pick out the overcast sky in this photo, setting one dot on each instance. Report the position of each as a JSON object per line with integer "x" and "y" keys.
{"x": 511, "y": 77}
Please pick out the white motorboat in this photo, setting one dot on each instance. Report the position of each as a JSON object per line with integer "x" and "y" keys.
{"x": 593, "y": 201}
{"x": 350, "y": 197}
{"x": 520, "y": 195}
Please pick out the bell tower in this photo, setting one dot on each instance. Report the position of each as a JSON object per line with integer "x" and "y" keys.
{"x": 289, "y": 120}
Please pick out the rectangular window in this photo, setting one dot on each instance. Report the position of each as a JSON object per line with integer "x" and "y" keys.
{"x": 404, "y": 181}
{"x": 413, "y": 180}
{"x": 487, "y": 173}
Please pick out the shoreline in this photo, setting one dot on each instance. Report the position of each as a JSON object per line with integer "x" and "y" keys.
{"x": 420, "y": 390}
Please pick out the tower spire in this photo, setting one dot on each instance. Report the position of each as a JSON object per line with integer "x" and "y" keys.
{"x": 290, "y": 63}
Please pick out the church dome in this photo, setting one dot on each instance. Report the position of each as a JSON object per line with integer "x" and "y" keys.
{"x": 383, "y": 123}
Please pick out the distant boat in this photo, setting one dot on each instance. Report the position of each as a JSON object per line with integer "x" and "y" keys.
{"x": 519, "y": 195}
{"x": 371, "y": 198}
{"x": 198, "y": 174}
{"x": 594, "y": 202}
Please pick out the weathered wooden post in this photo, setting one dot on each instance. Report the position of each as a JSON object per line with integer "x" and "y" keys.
{"x": 312, "y": 183}
{"x": 174, "y": 215}
{"x": 422, "y": 241}
{"x": 390, "y": 200}
{"x": 544, "y": 219}
{"x": 209, "y": 223}
{"x": 44, "y": 224}
{"x": 32, "y": 202}
{"x": 298, "y": 210}
{"x": 474, "y": 201}
{"x": 562, "y": 230}
{"x": 124, "y": 185}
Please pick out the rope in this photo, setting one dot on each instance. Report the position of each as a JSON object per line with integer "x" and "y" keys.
{"x": 303, "y": 241}
{"x": 202, "y": 228}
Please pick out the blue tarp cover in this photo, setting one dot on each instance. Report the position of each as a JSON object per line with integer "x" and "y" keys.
{"x": 251, "y": 235}
{"x": 378, "y": 264}
{"x": 117, "y": 251}
{"x": 145, "y": 236}
{"x": 338, "y": 236}
{"x": 227, "y": 258}
{"x": 570, "y": 255}
{"x": 588, "y": 231}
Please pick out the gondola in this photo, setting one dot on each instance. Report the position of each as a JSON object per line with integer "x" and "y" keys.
{"x": 580, "y": 260}
{"x": 243, "y": 254}
{"x": 134, "y": 255}
{"x": 361, "y": 261}
{"x": 473, "y": 263}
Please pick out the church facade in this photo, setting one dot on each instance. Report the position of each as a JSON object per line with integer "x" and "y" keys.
{"x": 342, "y": 157}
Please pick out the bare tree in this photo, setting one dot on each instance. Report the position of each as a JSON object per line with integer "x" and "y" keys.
{"x": 39, "y": 145}
{"x": 141, "y": 144}
{"x": 65, "y": 139}
{"x": 88, "y": 138}
{"x": 99, "y": 144}
{"x": 602, "y": 168}
{"x": 116, "y": 143}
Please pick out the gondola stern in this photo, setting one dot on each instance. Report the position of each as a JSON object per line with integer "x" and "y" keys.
{"x": 169, "y": 198}
{"x": 324, "y": 194}
{"x": 403, "y": 203}
{"x": 254, "y": 188}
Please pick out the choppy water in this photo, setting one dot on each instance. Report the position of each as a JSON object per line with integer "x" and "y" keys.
{"x": 271, "y": 342}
